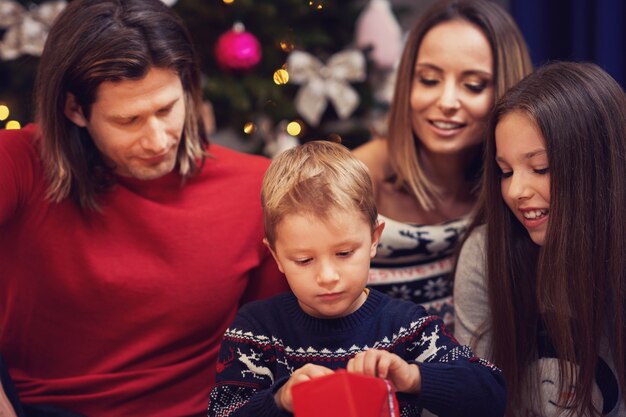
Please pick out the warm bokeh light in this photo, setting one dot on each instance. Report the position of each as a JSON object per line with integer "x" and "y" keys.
{"x": 229, "y": 1}
{"x": 316, "y": 4}
{"x": 281, "y": 77}
{"x": 248, "y": 128}
{"x": 287, "y": 46}
{"x": 12, "y": 124}
{"x": 4, "y": 112}
{"x": 294, "y": 128}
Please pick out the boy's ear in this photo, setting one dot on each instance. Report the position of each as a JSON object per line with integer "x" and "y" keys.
{"x": 376, "y": 236}
{"x": 266, "y": 243}
{"x": 74, "y": 111}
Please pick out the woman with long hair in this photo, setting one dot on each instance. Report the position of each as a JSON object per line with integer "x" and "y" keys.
{"x": 460, "y": 56}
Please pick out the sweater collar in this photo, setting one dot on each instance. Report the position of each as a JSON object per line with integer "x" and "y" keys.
{"x": 364, "y": 313}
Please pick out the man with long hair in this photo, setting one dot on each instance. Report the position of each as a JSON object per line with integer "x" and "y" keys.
{"x": 127, "y": 243}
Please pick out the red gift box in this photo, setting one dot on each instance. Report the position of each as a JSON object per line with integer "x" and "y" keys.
{"x": 343, "y": 394}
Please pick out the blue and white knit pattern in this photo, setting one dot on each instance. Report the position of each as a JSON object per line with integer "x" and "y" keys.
{"x": 414, "y": 262}
{"x": 270, "y": 339}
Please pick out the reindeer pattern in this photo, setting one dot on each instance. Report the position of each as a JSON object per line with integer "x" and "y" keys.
{"x": 253, "y": 367}
{"x": 413, "y": 263}
{"x": 418, "y": 242}
{"x": 269, "y": 340}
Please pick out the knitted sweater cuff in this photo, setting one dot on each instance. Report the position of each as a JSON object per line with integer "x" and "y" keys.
{"x": 265, "y": 406}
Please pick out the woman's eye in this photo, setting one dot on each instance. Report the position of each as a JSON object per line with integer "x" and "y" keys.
{"x": 476, "y": 88}
{"x": 542, "y": 171}
{"x": 506, "y": 174}
{"x": 428, "y": 81}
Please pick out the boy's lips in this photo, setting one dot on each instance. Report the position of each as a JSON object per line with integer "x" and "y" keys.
{"x": 330, "y": 296}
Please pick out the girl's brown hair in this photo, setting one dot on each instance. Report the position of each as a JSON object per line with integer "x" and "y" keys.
{"x": 575, "y": 284}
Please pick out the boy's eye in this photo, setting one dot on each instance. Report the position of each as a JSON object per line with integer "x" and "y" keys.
{"x": 304, "y": 261}
{"x": 127, "y": 121}
{"x": 345, "y": 253}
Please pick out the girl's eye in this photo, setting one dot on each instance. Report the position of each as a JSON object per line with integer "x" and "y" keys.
{"x": 542, "y": 171}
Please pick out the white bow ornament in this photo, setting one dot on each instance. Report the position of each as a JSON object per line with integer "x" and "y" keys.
{"x": 321, "y": 83}
{"x": 26, "y": 29}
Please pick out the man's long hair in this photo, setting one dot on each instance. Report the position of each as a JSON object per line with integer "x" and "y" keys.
{"x": 94, "y": 41}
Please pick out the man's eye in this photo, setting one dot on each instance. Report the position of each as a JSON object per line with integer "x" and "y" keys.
{"x": 165, "y": 111}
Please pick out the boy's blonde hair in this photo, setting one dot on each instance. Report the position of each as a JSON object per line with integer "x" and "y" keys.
{"x": 316, "y": 179}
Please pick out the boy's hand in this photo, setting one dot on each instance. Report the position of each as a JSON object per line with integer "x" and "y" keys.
{"x": 405, "y": 377}
{"x": 283, "y": 397}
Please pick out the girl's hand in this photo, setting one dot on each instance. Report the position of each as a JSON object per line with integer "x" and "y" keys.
{"x": 404, "y": 376}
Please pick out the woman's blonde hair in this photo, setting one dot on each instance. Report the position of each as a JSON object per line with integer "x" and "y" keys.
{"x": 511, "y": 63}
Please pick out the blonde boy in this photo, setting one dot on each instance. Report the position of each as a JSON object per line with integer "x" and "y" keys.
{"x": 321, "y": 226}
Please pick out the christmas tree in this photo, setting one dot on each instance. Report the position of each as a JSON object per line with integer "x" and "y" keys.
{"x": 256, "y": 57}
{"x": 256, "y": 99}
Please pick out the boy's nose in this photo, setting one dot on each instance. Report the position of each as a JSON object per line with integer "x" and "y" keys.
{"x": 327, "y": 275}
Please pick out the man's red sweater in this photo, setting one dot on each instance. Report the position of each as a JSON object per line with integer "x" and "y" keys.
{"x": 121, "y": 313}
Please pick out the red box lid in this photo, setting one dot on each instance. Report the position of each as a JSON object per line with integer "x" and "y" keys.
{"x": 344, "y": 394}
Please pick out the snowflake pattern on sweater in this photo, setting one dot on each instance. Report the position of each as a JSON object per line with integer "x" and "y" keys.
{"x": 270, "y": 339}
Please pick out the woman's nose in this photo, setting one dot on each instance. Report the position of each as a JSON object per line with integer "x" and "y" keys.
{"x": 449, "y": 99}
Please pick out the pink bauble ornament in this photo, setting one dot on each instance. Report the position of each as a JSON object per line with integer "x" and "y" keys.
{"x": 237, "y": 49}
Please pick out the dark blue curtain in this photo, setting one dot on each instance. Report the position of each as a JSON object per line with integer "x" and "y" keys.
{"x": 575, "y": 30}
